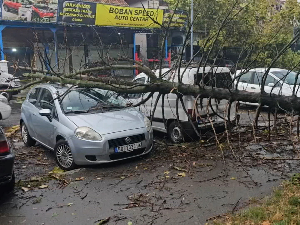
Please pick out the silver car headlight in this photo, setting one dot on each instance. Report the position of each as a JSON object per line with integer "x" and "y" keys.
{"x": 86, "y": 133}
{"x": 148, "y": 124}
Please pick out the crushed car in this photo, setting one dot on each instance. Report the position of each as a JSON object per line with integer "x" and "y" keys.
{"x": 84, "y": 126}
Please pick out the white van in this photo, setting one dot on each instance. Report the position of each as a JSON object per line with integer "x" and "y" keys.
{"x": 201, "y": 112}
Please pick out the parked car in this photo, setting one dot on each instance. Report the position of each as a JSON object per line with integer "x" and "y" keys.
{"x": 7, "y": 80}
{"x": 7, "y": 157}
{"x": 84, "y": 126}
{"x": 202, "y": 114}
{"x": 278, "y": 81}
{"x": 5, "y": 109}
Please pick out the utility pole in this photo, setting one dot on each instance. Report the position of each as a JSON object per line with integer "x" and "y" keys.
{"x": 192, "y": 28}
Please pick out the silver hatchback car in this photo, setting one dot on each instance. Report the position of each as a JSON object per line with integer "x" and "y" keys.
{"x": 84, "y": 126}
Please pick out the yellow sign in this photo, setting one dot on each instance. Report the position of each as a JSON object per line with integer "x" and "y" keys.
{"x": 108, "y": 15}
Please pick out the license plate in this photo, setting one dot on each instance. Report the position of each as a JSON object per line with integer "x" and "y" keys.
{"x": 128, "y": 148}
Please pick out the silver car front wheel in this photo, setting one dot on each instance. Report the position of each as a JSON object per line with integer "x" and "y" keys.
{"x": 63, "y": 155}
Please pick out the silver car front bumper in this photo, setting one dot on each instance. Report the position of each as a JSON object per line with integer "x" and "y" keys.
{"x": 98, "y": 152}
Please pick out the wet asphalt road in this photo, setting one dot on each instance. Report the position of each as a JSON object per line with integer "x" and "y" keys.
{"x": 184, "y": 184}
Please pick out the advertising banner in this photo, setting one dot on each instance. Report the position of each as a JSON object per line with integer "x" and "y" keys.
{"x": 77, "y": 12}
{"x": 41, "y": 11}
{"x": 179, "y": 18}
{"x": 108, "y": 15}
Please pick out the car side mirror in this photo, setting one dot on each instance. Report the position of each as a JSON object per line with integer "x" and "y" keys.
{"x": 271, "y": 84}
{"x": 46, "y": 112}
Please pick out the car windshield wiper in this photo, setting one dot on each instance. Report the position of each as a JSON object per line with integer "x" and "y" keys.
{"x": 99, "y": 106}
{"x": 76, "y": 111}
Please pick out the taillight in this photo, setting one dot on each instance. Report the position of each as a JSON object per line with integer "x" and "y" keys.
{"x": 4, "y": 148}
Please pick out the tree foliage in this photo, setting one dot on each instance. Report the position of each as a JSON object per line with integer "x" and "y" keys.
{"x": 259, "y": 28}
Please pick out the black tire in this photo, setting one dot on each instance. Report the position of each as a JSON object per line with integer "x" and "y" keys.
{"x": 9, "y": 187}
{"x": 6, "y": 8}
{"x": 175, "y": 133}
{"x": 63, "y": 155}
{"x": 27, "y": 139}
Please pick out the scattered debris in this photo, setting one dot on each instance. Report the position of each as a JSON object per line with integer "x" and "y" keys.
{"x": 179, "y": 169}
{"x": 12, "y": 130}
{"x": 43, "y": 186}
{"x": 104, "y": 221}
{"x": 37, "y": 200}
{"x": 25, "y": 189}
{"x": 79, "y": 178}
{"x": 181, "y": 174}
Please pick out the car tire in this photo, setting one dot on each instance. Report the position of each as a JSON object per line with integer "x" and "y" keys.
{"x": 63, "y": 155}
{"x": 175, "y": 133}
{"x": 6, "y": 8}
{"x": 27, "y": 139}
{"x": 9, "y": 187}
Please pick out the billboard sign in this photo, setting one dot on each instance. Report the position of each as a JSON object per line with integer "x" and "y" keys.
{"x": 42, "y": 11}
{"x": 77, "y": 12}
{"x": 109, "y": 15}
{"x": 89, "y": 13}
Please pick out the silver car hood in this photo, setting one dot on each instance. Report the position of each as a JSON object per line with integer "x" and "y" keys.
{"x": 111, "y": 121}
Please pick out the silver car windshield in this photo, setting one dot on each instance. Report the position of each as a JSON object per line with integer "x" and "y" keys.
{"x": 86, "y": 100}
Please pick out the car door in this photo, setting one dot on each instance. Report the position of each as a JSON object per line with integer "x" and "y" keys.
{"x": 30, "y": 110}
{"x": 271, "y": 84}
{"x": 245, "y": 82}
{"x": 43, "y": 126}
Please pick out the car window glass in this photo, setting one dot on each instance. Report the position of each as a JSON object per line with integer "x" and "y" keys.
{"x": 46, "y": 100}
{"x": 257, "y": 77}
{"x": 246, "y": 78}
{"x": 287, "y": 76}
{"x": 218, "y": 80}
{"x": 33, "y": 96}
{"x": 85, "y": 99}
{"x": 54, "y": 113}
{"x": 140, "y": 80}
{"x": 270, "y": 79}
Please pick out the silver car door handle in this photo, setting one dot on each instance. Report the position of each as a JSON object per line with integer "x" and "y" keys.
{"x": 253, "y": 88}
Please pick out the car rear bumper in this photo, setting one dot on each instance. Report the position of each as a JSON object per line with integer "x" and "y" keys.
{"x": 89, "y": 153}
{"x": 6, "y": 168}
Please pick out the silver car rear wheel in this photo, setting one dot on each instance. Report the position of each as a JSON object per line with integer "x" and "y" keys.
{"x": 63, "y": 155}
{"x": 27, "y": 139}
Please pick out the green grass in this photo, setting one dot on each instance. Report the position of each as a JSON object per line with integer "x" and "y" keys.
{"x": 282, "y": 208}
